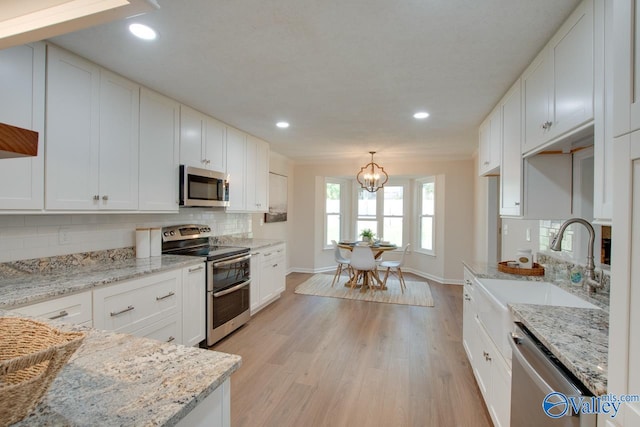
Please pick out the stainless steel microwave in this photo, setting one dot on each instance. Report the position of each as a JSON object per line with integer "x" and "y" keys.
{"x": 203, "y": 188}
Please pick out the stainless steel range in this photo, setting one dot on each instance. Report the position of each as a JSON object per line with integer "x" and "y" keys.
{"x": 228, "y": 276}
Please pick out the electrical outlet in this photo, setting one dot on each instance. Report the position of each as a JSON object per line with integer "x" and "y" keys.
{"x": 528, "y": 234}
{"x": 505, "y": 229}
{"x": 64, "y": 236}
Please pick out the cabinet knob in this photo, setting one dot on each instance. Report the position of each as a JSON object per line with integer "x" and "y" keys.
{"x": 105, "y": 197}
{"x": 171, "y": 338}
{"x": 96, "y": 197}
{"x": 517, "y": 203}
{"x": 485, "y": 163}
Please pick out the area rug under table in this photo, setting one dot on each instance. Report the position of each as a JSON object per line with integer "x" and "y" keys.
{"x": 417, "y": 293}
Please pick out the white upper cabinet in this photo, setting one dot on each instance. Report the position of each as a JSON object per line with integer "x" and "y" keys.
{"x": 257, "y": 175}
{"x": 119, "y": 128}
{"x": 626, "y": 72}
{"x": 22, "y": 82}
{"x": 558, "y": 87}
{"x": 159, "y": 152}
{"x": 490, "y": 136}
{"x": 73, "y": 87}
{"x": 511, "y": 164}
{"x": 202, "y": 141}
{"x": 92, "y": 136}
{"x": 236, "y": 168}
{"x": 603, "y": 128}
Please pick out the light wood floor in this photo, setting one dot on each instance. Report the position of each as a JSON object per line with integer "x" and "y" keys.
{"x": 318, "y": 361}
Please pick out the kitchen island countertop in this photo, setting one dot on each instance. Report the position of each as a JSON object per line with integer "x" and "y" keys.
{"x": 120, "y": 380}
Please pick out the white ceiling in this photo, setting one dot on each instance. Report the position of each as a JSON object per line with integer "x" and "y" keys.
{"x": 347, "y": 74}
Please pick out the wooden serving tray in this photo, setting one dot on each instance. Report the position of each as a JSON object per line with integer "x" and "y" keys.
{"x": 536, "y": 270}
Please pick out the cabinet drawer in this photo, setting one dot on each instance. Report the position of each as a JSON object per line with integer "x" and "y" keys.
{"x": 275, "y": 253}
{"x": 132, "y": 305}
{"x": 74, "y": 309}
{"x": 166, "y": 330}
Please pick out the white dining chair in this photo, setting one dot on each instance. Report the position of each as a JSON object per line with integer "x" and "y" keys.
{"x": 342, "y": 261}
{"x": 397, "y": 266}
{"x": 364, "y": 265}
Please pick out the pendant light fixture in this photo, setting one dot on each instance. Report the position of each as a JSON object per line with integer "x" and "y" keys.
{"x": 372, "y": 176}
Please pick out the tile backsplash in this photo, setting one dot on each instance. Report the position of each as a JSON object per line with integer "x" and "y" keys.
{"x": 36, "y": 236}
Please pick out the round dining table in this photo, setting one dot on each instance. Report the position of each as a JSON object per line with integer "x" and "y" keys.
{"x": 377, "y": 249}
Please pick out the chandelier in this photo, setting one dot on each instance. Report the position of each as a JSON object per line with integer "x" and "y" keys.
{"x": 372, "y": 176}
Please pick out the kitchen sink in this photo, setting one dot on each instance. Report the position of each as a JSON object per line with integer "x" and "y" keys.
{"x": 543, "y": 293}
{"x": 494, "y": 295}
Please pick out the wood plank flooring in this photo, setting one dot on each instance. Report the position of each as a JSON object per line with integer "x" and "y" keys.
{"x": 318, "y": 361}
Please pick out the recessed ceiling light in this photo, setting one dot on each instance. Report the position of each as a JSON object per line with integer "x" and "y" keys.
{"x": 142, "y": 31}
{"x": 282, "y": 125}
{"x": 421, "y": 115}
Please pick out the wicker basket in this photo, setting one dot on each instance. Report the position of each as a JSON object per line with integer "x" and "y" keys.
{"x": 31, "y": 355}
{"x": 535, "y": 270}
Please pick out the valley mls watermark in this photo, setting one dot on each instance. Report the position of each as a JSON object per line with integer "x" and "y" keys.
{"x": 557, "y": 405}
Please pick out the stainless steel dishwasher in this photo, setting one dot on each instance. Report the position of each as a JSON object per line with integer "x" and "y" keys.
{"x": 537, "y": 376}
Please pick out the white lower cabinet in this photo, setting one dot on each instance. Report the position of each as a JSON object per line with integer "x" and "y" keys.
{"x": 133, "y": 305}
{"x": 267, "y": 276}
{"x": 74, "y": 309}
{"x": 194, "y": 294}
{"x": 166, "y": 330}
{"x": 490, "y": 369}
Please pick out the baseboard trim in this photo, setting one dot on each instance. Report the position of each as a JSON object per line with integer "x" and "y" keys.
{"x": 422, "y": 274}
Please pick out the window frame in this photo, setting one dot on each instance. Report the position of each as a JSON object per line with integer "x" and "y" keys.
{"x": 344, "y": 228}
{"x": 419, "y": 215}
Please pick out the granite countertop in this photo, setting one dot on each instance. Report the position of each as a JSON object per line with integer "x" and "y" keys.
{"x": 486, "y": 270}
{"x": 21, "y": 286}
{"x": 578, "y": 337}
{"x": 120, "y": 380}
{"x": 255, "y": 243}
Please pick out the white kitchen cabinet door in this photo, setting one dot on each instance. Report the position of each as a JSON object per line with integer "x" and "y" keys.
{"x": 490, "y": 136}
{"x": 272, "y": 279}
{"x": 571, "y": 51}
{"x": 165, "y": 330}
{"x": 159, "y": 152}
{"x": 202, "y": 141}
{"x": 511, "y": 164}
{"x": 192, "y": 129}
{"x": 119, "y": 125}
{"x": 22, "y": 85}
{"x": 256, "y": 280}
{"x": 624, "y": 320}
{"x": 72, "y": 145}
{"x": 257, "y": 175}
{"x": 194, "y": 295}
{"x": 236, "y": 168}
{"x": 603, "y": 128}
{"x": 535, "y": 102}
{"x": 215, "y": 145}
{"x": 626, "y": 57}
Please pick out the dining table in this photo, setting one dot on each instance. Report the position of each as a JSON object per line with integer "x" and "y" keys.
{"x": 377, "y": 248}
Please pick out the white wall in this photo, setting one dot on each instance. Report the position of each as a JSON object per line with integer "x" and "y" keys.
{"x": 454, "y": 216}
{"x": 36, "y": 236}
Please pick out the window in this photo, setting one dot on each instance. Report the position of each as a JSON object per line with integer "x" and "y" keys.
{"x": 333, "y": 211}
{"x": 383, "y": 212}
{"x": 427, "y": 211}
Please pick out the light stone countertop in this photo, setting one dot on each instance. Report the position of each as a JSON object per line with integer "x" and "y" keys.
{"x": 254, "y": 243}
{"x": 119, "y": 380}
{"x": 21, "y": 287}
{"x": 578, "y": 337}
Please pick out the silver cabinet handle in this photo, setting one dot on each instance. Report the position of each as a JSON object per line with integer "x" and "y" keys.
{"x": 191, "y": 270}
{"x": 517, "y": 203}
{"x": 96, "y": 197}
{"x": 122, "y": 311}
{"x": 63, "y": 313}
{"x": 467, "y": 297}
{"x": 485, "y": 163}
{"x": 105, "y": 197}
{"x": 467, "y": 281}
{"x": 170, "y": 294}
{"x": 269, "y": 254}
{"x": 171, "y": 338}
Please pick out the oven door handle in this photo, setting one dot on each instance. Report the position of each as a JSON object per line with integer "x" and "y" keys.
{"x": 231, "y": 261}
{"x": 230, "y": 290}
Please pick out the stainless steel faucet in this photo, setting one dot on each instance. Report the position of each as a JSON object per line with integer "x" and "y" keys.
{"x": 556, "y": 245}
